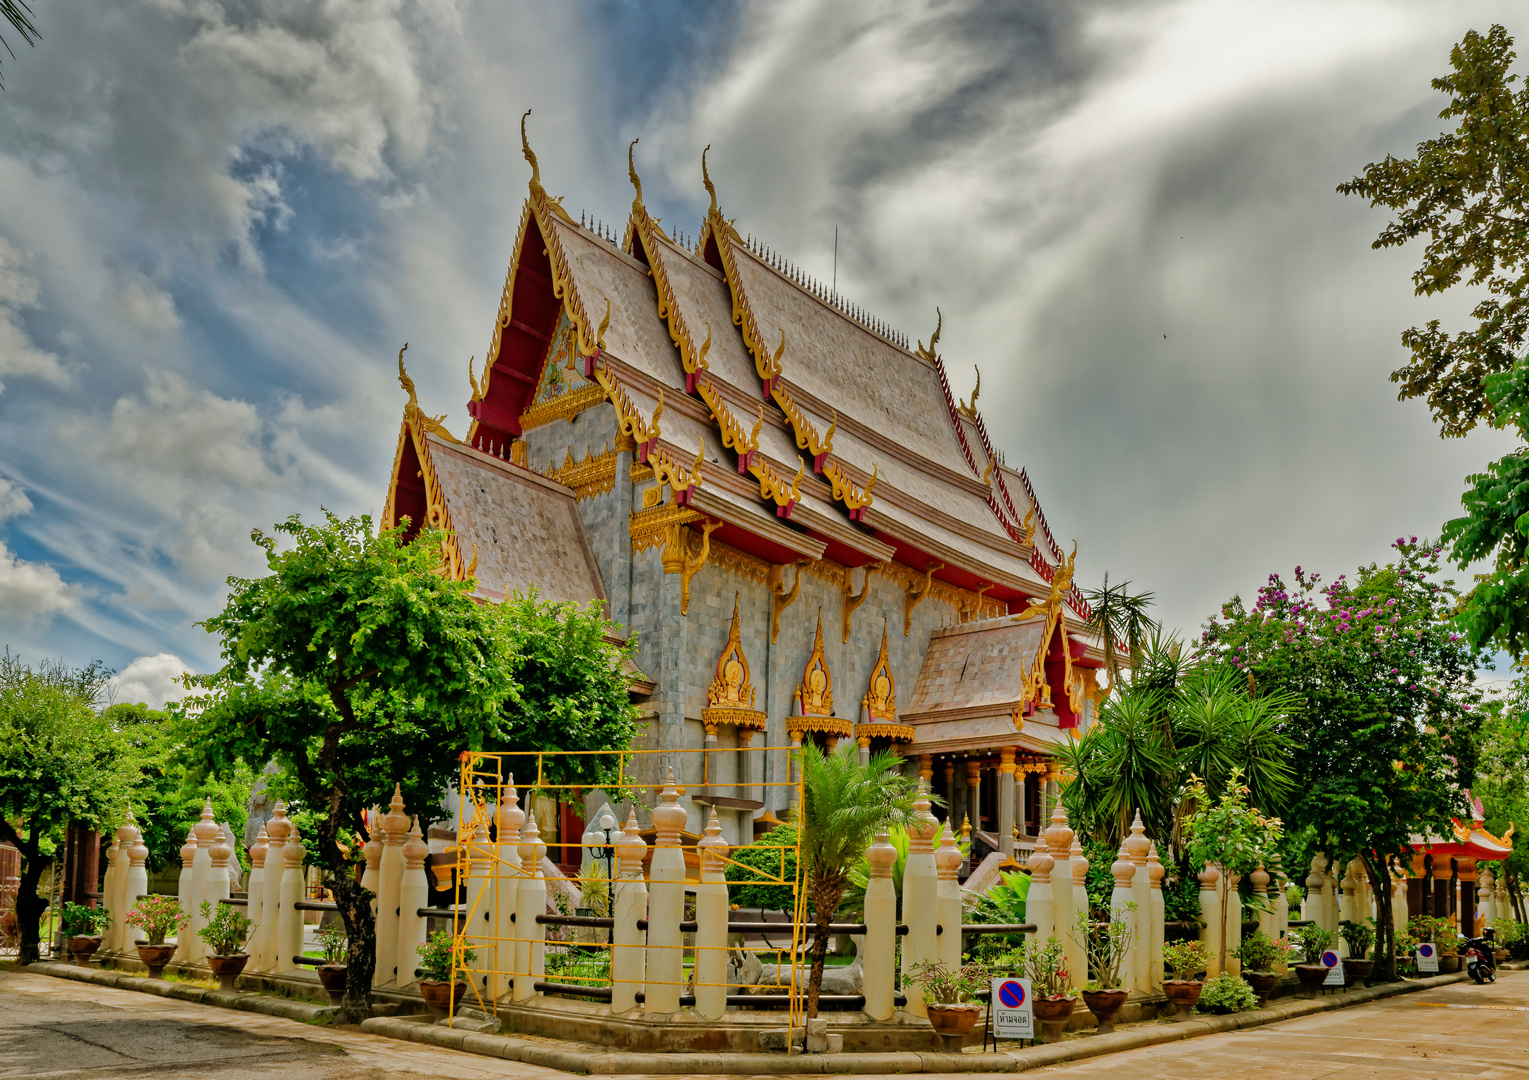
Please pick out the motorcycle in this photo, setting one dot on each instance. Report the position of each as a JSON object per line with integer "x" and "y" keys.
{"x": 1478, "y": 960}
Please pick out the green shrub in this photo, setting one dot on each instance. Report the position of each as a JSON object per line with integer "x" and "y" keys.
{"x": 1311, "y": 939}
{"x": 435, "y": 956}
{"x": 1186, "y": 959}
{"x": 79, "y": 920}
{"x": 226, "y": 929}
{"x": 753, "y": 871}
{"x": 1227, "y": 994}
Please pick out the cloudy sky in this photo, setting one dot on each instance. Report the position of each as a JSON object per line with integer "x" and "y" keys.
{"x": 219, "y": 219}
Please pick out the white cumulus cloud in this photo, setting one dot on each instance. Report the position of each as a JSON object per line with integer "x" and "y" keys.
{"x": 150, "y": 680}
{"x": 32, "y": 590}
{"x": 18, "y": 292}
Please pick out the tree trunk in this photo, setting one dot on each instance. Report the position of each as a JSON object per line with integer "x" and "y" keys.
{"x": 1385, "y": 932}
{"x": 355, "y": 904}
{"x": 29, "y": 910}
{"x": 825, "y": 901}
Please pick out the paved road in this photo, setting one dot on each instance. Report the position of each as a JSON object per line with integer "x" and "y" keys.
{"x": 1483, "y": 1034}
{"x": 53, "y": 1028}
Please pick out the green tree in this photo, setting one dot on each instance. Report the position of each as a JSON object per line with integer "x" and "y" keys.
{"x": 845, "y": 803}
{"x": 1386, "y": 732}
{"x": 355, "y": 665}
{"x": 1120, "y": 618}
{"x": 1502, "y": 783}
{"x": 60, "y": 762}
{"x": 1229, "y": 832}
{"x": 170, "y": 798}
{"x": 1467, "y": 192}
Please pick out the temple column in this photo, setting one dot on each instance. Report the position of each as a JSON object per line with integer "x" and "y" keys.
{"x": 951, "y": 806}
{"x": 1467, "y": 875}
{"x": 621, "y": 583}
{"x": 1006, "y": 801}
{"x": 974, "y": 792}
{"x": 865, "y": 748}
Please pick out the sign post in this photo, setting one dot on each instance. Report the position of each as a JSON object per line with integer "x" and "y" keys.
{"x": 1334, "y": 965}
{"x": 1427, "y": 959}
{"x": 1013, "y": 1017}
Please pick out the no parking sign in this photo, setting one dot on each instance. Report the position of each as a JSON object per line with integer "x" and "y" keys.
{"x": 1334, "y": 965}
{"x": 1428, "y": 958}
{"x": 1012, "y": 1016}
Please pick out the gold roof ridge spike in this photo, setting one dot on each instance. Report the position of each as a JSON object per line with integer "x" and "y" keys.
{"x": 631, "y": 173}
{"x": 927, "y": 353}
{"x": 706, "y": 179}
{"x": 530, "y": 155}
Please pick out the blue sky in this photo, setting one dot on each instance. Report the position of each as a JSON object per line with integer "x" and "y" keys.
{"x": 219, "y": 221}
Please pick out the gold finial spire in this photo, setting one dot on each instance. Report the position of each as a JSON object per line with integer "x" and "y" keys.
{"x": 706, "y": 179}
{"x": 934, "y": 339}
{"x": 525, "y": 148}
{"x": 631, "y": 172}
{"x": 472, "y": 377}
{"x": 404, "y": 380}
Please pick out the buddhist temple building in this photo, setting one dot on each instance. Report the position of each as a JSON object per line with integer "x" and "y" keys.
{"x": 1450, "y": 877}
{"x": 808, "y": 533}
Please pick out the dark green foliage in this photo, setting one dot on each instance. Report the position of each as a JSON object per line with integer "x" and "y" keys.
{"x": 753, "y": 869}
{"x": 59, "y": 762}
{"x": 1181, "y": 899}
{"x": 1099, "y": 882}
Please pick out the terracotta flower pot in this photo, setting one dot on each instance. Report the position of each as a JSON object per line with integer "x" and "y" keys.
{"x": 1312, "y": 977}
{"x": 1105, "y": 1005}
{"x": 1184, "y": 995}
{"x": 1358, "y": 971}
{"x": 1263, "y": 984}
{"x": 1449, "y": 963}
{"x": 81, "y": 947}
{"x": 1053, "y": 1014}
{"x": 227, "y": 969}
{"x": 954, "y": 1019}
{"x": 442, "y": 997}
{"x": 155, "y": 957}
{"x": 333, "y": 978}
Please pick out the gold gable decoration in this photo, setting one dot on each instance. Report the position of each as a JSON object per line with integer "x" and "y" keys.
{"x": 815, "y": 697}
{"x": 417, "y": 425}
{"x": 880, "y": 704}
{"x": 730, "y": 700}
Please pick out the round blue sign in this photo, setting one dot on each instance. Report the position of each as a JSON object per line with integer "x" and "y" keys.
{"x": 1012, "y": 994}
{"x": 1425, "y": 950}
{"x": 1330, "y": 959}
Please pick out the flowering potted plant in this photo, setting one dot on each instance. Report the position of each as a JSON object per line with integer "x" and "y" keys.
{"x": 1359, "y": 936}
{"x": 156, "y": 916}
{"x": 1312, "y": 940}
{"x": 948, "y": 994}
{"x": 1107, "y": 947}
{"x": 436, "y": 985}
{"x": 82, "y": 928}
{"x": 1051, "y": 984}
{"x": 1260, "y": 956}
{"x": 224, "y": 933}
{"x": 331, "y": 941}
{"x": 1187, "y": 960}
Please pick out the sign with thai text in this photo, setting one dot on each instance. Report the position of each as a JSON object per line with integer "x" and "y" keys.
{"x": 1334, "y": 965}
{"x": 1428, "y": 958}
{"x": 1013, "y": 1017}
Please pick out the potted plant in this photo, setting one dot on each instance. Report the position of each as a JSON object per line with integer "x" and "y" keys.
{"x": 1107, "y": 947}
{"x": 948, "y": 994}
{"x": 156, "y": 916}
{"x": 1449, "y": 947}
{"x": 1359, "y": 936}
{"x": 1051, "y": 986}
{"x": 1260, "y": 956}
{"x": 1187, "y": 960}
{"x": 82, "y": 928}
{"x": 436, "y": 985}
{"x": 224, "y": 933}
{"x": 331, "y": 941}
{"x": 1312, "y": 940}
{"x": 1226, "y": 993}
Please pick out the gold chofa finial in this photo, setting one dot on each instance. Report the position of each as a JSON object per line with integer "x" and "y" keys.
{"x": 525, "y": 148}
{"x": 706, "y": 179}
{"x": 631, "y": 172}
{"x": 404, "y": 380}
{"x": 472, "y": 377}
{"x": 934, "y": 339}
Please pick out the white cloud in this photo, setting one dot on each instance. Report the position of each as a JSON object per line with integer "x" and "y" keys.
{"x": 18, "y": 292}
{"x": 13, "y": 501}
{"x": 31, "y": 590}
{"x": 150, "y": 680}
{"x": 142, "y": 302}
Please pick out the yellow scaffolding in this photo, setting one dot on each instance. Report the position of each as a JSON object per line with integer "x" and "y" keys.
{"x": 496, "y": 779}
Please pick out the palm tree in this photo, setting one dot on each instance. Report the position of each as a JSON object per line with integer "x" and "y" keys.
{"x": 19, "y": 16}
{"x": 844, "y": 804}
{"x": 1121, "y": 618}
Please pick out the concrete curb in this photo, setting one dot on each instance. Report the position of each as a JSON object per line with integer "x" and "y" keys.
{"x": 270, "y": 1006}
{"x": 574, "y": 1057}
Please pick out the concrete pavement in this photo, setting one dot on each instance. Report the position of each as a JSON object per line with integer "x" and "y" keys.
{"x": 1462, "y": 1030}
